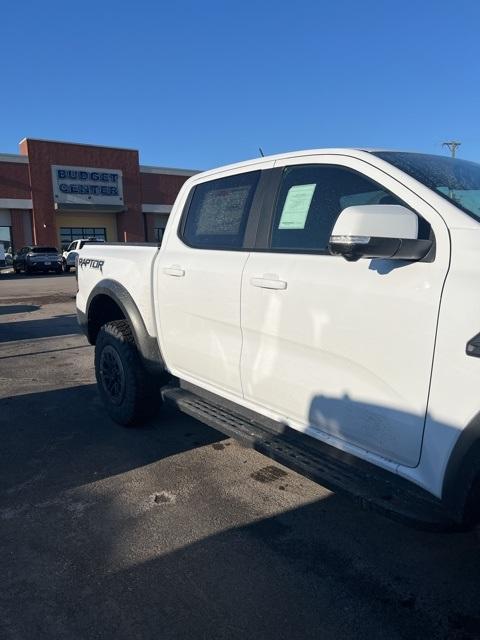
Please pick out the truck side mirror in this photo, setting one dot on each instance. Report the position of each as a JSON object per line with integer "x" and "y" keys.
{"x": 378, "y": 231}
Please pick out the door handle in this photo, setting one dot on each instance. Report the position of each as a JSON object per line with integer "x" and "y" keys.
{"x": 175, "y": 271}
{"x": 268, "y": 282}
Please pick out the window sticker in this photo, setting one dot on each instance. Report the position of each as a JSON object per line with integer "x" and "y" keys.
{"x": 297, "y": 204}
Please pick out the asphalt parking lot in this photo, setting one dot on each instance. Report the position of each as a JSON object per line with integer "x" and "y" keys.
{"x": 172, "y": 531}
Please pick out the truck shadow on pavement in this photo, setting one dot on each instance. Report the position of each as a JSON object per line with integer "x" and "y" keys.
{"x": 66, "y": 435}
{"x": 323, "y": 570}
{"x": 65, "y": 324}
{"x": 6, "y": 310}
{"x": 89, "y": 547}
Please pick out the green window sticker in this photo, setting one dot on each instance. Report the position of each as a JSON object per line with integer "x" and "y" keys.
{"x": 297, "y": 203}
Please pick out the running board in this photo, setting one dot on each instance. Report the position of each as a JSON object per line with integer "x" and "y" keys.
{"x": 371, "y": 487}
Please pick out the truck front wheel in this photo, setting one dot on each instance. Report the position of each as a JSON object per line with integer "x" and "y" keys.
{"x": 129, "y": 394}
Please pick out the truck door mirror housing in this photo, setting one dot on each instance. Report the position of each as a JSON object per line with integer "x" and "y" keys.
{"x": 387, "y": 231}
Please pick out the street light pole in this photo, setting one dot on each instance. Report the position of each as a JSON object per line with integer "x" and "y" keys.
{"x": 453, "y": 146}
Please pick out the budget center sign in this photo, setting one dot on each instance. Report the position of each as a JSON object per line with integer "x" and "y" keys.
{"x": 87, "y": 186}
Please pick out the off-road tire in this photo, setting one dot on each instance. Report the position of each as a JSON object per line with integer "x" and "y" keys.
{"x": 136, "y": 397}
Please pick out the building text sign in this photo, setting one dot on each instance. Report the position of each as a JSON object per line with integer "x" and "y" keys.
{"x": 87, "y": 186}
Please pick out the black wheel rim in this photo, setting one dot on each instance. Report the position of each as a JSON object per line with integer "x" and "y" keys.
{"x": 112, "y": 374}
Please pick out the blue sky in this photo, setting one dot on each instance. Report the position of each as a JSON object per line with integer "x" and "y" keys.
{"x": 200, "y": 84}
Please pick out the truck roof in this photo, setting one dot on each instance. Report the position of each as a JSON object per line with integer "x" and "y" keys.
{"x": 357, "y": 152}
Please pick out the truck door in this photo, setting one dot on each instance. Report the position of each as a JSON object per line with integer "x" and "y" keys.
{"x": 198, "y": 278}
{"x": 341, "y": 350}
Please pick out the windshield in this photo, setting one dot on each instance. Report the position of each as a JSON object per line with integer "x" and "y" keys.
{"x": 43, "y": 250}
{"x": 456, "y": 180}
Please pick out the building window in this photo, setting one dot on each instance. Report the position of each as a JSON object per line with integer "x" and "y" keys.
{"x": 68, "y": 234}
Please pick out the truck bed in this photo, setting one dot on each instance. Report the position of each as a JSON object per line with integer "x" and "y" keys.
{"x": 130, "y": 264}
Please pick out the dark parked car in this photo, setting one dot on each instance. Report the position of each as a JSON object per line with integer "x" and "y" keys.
{"x": 37, "y": 258}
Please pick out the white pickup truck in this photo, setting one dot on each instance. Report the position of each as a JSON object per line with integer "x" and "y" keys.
{"x": 71, "y": 252}
{"x": 323, "y": 306}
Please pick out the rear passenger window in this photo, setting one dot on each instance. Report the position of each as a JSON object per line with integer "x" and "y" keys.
{"x": 218, "y": 212}
{"x": 311, "y": 198}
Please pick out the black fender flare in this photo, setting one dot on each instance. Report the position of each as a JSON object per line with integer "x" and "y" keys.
{"x": 146, "y": 344}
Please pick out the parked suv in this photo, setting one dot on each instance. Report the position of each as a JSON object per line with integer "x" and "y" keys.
{"x": 37, "y": 258}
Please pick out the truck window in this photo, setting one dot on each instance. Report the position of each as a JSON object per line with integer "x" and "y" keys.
{"x": 310, "y": 199}
{"x": 218, "y": 212}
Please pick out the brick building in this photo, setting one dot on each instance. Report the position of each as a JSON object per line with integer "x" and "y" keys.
{"x": 54, "y": 192}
